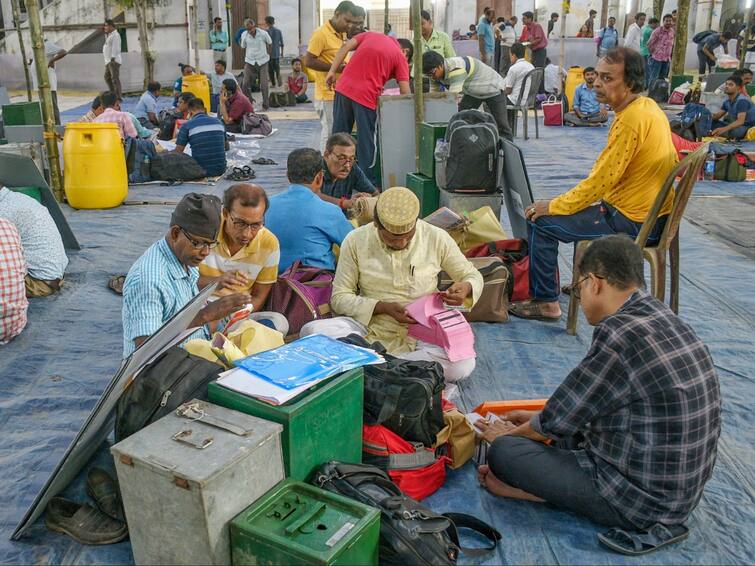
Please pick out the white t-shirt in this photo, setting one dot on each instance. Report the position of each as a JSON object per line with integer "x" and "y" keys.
{"x": 51, "y": 50}
{"x": 515, "y": 79}
{"x": 256, "y": 47}
{"x": 632, "y": 39}
{"x": 553, "y": 77}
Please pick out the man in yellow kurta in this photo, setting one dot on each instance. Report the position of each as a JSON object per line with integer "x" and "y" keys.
{"x": 619, "y": 191}
{"x": 388, "y": 264}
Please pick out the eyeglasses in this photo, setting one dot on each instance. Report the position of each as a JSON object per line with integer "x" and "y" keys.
{"x": 575, "y": 289}
{"x": 199, "y": 244}
{"x": 242, "y": 225}
{"x": 343, "y": 159}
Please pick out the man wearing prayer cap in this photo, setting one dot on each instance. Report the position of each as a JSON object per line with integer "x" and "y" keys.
{"x": 164, "y": 279}
{"x": 388, "y": 264}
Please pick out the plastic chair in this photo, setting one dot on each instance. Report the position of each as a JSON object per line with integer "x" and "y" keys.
{"x": 534, "y": 79}
{"x": 668, "y": 244}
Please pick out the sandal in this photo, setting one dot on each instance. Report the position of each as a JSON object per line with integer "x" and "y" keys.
{"x": 637, "y": 543}
{"x": 531, "y": 310}
{"x": 263, "y": 161}
{"x": 244, "y": 173}
{"x": 115, "y": 284}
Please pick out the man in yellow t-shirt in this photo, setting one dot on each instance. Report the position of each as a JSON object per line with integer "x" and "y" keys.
{"x": 617, "y": 195}
{"x": 246, "y": 257}
{"x": 323, "y": 46}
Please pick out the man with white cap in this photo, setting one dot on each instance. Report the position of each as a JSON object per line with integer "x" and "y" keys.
{"x": 384, "y": 266}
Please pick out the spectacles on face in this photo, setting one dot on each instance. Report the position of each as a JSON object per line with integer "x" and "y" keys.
{"x": 576, "y": 289}
{"x": 344, "y": 159}
{"x": 199, "y": 244}
{"x": 242, "y": 225}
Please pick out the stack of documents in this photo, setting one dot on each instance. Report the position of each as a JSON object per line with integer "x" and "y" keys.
{"x": 277, "y": 376}
{"x": 442, "y": 327}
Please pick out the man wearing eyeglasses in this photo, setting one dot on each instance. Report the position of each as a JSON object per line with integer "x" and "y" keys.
{"x": 247, "y": 255}
{"x": 164, "y": 279}
{"x": 343, "y": 181}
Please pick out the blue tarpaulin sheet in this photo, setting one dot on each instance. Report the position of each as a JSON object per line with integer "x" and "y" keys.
{"x": 54, "y": 372}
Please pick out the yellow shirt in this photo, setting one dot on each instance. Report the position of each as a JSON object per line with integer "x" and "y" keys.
{"x": 631, "y": 169}
{"x": 324, "y": 44}
{"x": 258, "y": 260}
{"x": 369, "y": 272}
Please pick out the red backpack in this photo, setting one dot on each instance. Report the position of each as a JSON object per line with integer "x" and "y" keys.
{"x": 515, "y": 255}
{"x": 415, "y": 469}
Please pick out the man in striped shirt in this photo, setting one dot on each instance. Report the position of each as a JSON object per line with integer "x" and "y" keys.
{"x": 206, "y": 135}
{"x": 247, "y": 255}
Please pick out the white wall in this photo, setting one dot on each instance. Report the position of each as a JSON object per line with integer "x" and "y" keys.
{"x": 286, "y": 14}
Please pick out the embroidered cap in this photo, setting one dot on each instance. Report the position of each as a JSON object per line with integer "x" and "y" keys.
{"x": 397, "y": 209}
{"x": 199, "y": 215}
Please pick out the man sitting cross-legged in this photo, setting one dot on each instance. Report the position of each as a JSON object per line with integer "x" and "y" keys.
{"x": 587, "y": 110}
{"x": 388, "y": 264}
{"x": 635, "y": 424}
{"x": 246, "y": 257}
{"x": 617, "y": 195}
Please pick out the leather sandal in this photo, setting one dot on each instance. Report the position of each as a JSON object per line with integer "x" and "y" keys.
{"x": 637, "y": 543}
{"x": 104, "y": 492}
{"x": 531, "y": 310}
{"x": 83, "y": 523}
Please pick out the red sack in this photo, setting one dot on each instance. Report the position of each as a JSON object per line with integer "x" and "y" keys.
{"x": 553, "y": 112}
{"x": 515, "y": 256}
{"x": 415, "y": 469}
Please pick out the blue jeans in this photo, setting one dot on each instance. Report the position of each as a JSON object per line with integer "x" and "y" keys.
{"x": 656, "y": 70}
{"x": 735, "y": 134}
{"x": 589, "y": 224}
{"x": 346, "y": 112}
{"x": 214, "y": 101}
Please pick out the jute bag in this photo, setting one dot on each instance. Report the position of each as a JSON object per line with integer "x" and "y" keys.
{"x": 459, "y": 436}
{"x": 479, "y": 227}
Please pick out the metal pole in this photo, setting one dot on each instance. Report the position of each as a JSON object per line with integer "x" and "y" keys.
{"x": 17, "y": 25}
{"x": 748, "y": 35}
{"x": 419, "y": 106}
{"x": 385, "y": 18}
{"x": 194, "y": 41}
{"x": 45, "y": 97}
{"x": 564, "y": 12}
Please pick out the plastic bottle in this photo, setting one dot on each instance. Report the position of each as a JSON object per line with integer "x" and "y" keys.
{"x": 710, "y": 166}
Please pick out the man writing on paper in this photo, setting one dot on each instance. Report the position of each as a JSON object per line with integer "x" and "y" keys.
{"x": 384, "y": 266}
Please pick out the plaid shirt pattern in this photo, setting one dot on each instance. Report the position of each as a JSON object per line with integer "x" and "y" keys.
{"x": 13, "y": 302}
{"x": 646, "y": 400}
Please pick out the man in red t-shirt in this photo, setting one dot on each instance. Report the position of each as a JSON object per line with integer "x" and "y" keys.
{"x": 377, "y": 58}
{"x": 233, "y": 105}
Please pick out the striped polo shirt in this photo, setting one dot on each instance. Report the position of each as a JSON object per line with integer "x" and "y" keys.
{"x": 206, "y": 135}
{"x": 258, "y": 260}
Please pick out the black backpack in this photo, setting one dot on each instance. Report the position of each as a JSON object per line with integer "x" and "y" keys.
{"x": 174, "y": 377}
{"x": 139, "y": 156}
{"x": 167, "y": 120}
{"x": 472, "y": 147}
{"x": 410, "y": 533}
{"x": 169, "y": 166}
{"x": 659, "y": 90}
{"x": 403, "y": 395}
{"x": 701, "y": 36}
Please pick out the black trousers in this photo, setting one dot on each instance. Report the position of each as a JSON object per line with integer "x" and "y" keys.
{"x": 496, "y": 105}
{"x": 703, "y": 63}
{"x": 274, "y": 69}
{"x": 554, "y": 474}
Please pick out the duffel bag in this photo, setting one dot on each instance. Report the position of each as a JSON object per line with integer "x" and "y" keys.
{"x": 410, "y": 533}
{"x": 174, "y": 377}
{"x": 175, "y": 167}
{"x": 415, "y": 468}
{"x": 258, "y": 124}
{"x": 493, "y": 304}
{"x": 515, "y": 255}
{"x": 405, "y": 396}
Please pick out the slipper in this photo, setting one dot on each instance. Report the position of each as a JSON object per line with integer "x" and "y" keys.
{"x": 263, "y": 161}
{"x": 637, "y": 543}
{"x": 245, "y": 173}
{"x": 103, "y": 490}
{"x": 530, "y": 310}
{"x": 115, "y": 284}
{"x": 83, "y": 523}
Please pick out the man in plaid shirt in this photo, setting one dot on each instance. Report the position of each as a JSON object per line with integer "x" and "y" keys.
{"x": 13, "y": 302}
{"x": 635, "y": 425}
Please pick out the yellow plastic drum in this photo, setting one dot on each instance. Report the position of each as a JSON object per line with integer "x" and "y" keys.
{"x": 574, "y": 77}
{"x": 95, "y": 166}
{"x": 198, "y": 86}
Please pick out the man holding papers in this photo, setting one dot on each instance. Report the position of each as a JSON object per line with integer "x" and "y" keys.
{"x": 385, "y": 266}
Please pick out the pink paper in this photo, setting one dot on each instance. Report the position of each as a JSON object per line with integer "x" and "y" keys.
{"x": 443, "y": 327}
{"x": 422, "y": 309}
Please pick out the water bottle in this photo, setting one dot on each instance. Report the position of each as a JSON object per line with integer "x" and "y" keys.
{"x": 710, "y": 166}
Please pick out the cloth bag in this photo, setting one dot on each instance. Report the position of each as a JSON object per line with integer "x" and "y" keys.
{"x": 553, "y": 112}
{"x": 258, "y": 124}
{"x": 458, "y": 436}
{"x": 242, "y": 339}
{"x": 493, "y": 304}
{"x": 479, "y": 227}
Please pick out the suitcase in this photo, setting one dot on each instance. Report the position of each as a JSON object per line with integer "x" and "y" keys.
{"x": 186, "y": 476}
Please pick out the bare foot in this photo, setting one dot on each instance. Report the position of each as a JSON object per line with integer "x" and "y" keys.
{"x": 495, "y": 486}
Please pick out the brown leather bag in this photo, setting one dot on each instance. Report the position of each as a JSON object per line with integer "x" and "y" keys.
{"x": 493, "y": 305}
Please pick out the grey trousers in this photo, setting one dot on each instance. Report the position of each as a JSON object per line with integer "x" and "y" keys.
{"x": 574, "y": 120}
{"x": 251, "y": 74}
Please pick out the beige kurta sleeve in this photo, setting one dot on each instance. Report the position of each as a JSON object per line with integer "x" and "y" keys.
{"x": 458, "y": 267}
{"x": 345, "y": 299}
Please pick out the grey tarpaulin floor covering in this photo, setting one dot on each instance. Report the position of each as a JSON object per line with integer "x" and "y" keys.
{"x": 53, "y": 373}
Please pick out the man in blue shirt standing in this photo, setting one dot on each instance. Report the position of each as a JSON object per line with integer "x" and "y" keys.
{"x": 737, "y": 114}
{"x": 486, "y": 36}
{"x": 206, "y": 135}
{"x": 306, "y": 226}
{"x": 608, "y": 37}
{"x": 276, "y": 50}
{"x": 705, "y": 50}
{"x": 146, "y": 108}
{"x": 164, "y": 279}
{"x": 587, "y": 110}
